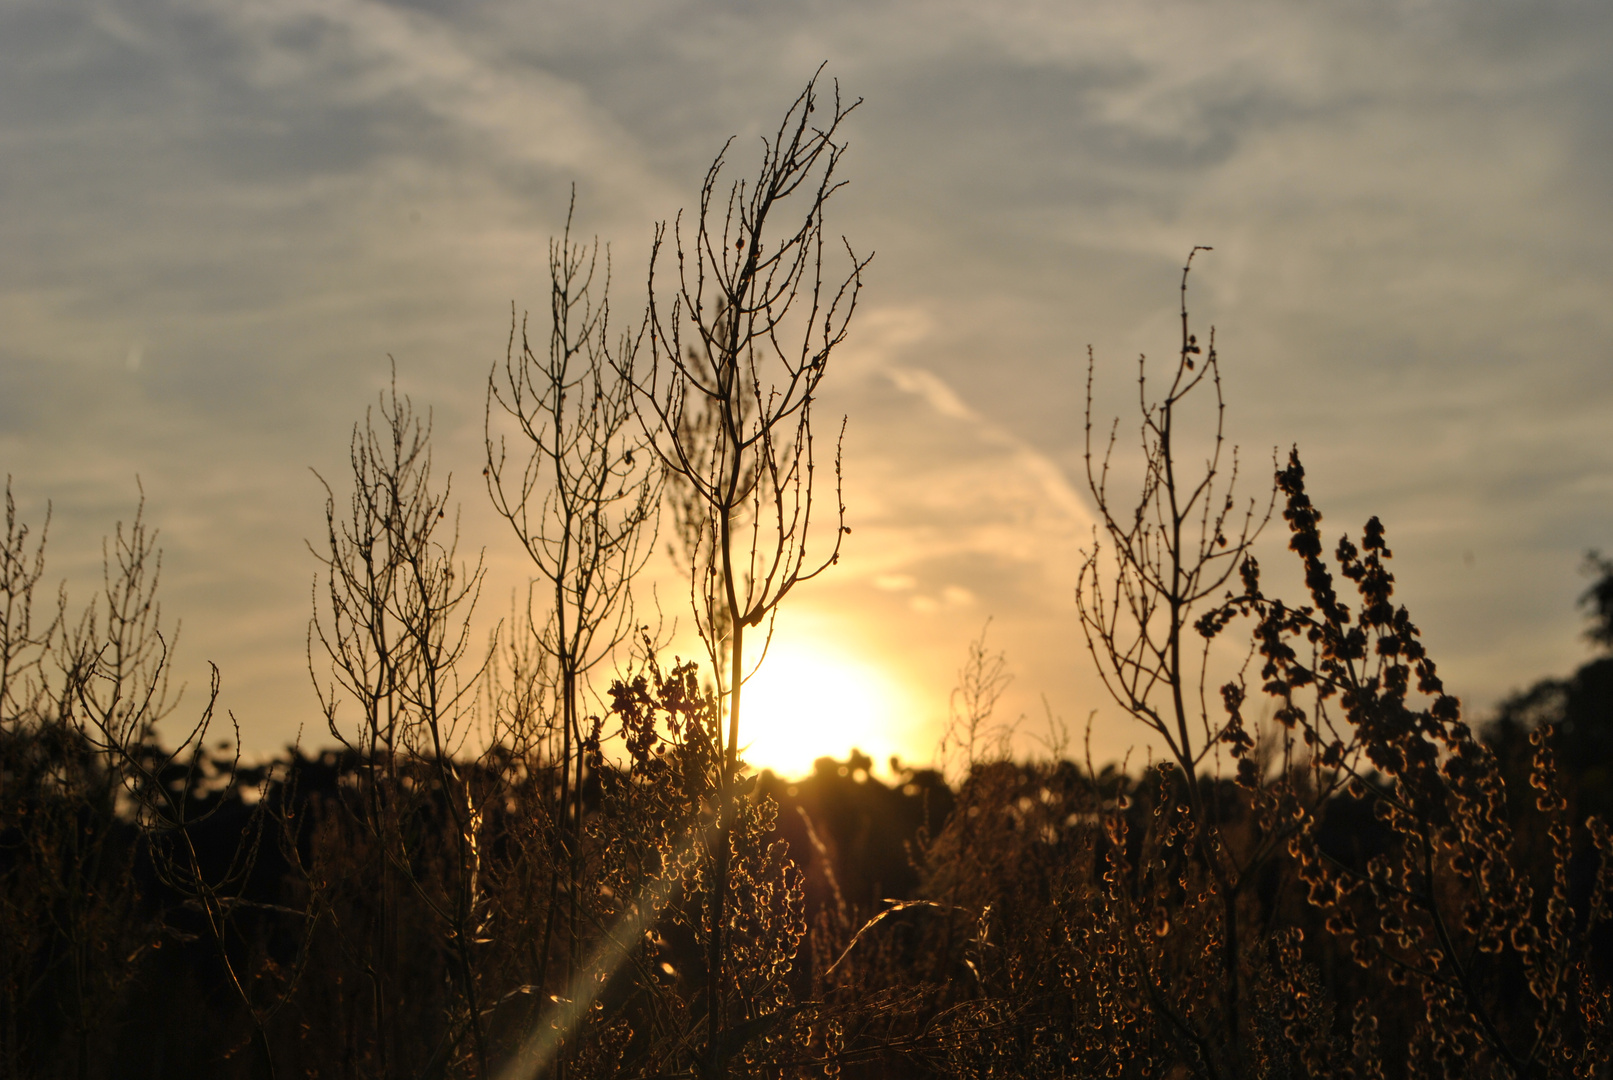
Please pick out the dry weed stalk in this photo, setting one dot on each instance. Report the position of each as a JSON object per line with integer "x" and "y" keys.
{"x": 726, "y": 393}
{"x": 582, "y": 496}
{"x": 394, "y": 628}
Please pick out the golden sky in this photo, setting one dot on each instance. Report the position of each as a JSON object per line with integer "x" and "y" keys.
{"x": 220, "y": 217}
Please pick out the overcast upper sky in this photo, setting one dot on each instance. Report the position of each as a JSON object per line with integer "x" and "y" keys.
{"x": 220, "y": 217}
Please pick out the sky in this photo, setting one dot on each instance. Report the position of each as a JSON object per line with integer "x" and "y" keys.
{"x": 221, "y": 218}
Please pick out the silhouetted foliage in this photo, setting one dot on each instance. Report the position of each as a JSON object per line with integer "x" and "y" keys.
{"x": 549, "y": 859}
{"x": 1598, "y": 599}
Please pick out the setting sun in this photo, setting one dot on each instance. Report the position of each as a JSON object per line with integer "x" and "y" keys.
{"x": 806, "y": 702}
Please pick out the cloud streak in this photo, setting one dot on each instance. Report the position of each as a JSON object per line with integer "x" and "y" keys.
{"x": 223, "y": 216}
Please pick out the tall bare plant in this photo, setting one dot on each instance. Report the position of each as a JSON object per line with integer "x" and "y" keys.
{"x": 738, "y": 347}
{"x": 86, "y": 791}
{"x": 393, "y": 630}
{"x": 582, "y": 494}
{"x": 1152, "y": 569}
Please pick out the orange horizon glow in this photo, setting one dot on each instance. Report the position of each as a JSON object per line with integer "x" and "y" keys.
{"x": 809, "y": 700}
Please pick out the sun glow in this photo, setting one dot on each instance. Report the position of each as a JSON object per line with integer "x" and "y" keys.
{"x": 808, "y": 702}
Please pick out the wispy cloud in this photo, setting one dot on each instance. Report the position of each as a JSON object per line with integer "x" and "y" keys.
{"x": 258, "y": 201}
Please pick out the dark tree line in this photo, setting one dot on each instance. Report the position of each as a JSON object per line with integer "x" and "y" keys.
{"x": 549, "y": 858}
